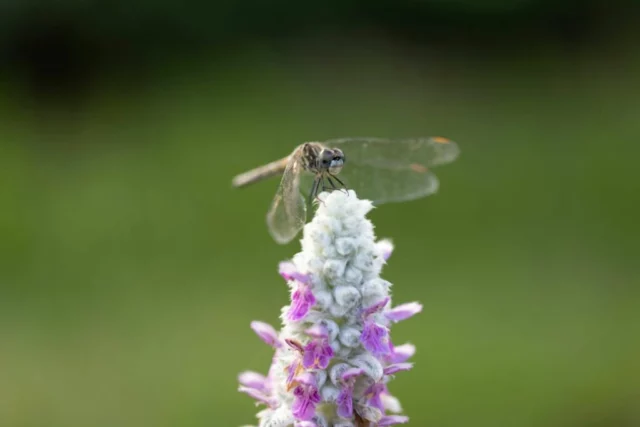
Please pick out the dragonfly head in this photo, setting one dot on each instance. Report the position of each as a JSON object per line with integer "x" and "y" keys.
{"x": 331, "y": 160}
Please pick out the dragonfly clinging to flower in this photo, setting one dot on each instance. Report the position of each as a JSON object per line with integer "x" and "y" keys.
{"x": 381, "y": 170}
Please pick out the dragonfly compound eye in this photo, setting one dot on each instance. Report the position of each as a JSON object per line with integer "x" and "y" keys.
{"x": 326, "y": 156}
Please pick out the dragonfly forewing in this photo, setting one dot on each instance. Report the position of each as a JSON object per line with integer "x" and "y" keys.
{"x": 385, "y": 170}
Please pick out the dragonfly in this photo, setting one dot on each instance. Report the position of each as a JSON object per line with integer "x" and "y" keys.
{"x": 378, "y": 169}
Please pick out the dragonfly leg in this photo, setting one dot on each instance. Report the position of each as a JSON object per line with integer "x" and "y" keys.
{"x": 344, "y": 186}
{"x": 333, "y": 185}
{"x": 316, "y": 189}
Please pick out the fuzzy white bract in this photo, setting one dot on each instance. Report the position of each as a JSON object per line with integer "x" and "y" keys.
{"x": 334, "y": 356}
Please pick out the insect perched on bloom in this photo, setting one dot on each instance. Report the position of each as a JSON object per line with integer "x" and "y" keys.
{"x": 380, "y": 170}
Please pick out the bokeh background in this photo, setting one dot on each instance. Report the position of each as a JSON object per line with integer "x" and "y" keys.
{"x": 130, "y": 270}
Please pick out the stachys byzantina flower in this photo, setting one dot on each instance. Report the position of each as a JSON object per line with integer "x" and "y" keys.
{"x": 334, "y": 357}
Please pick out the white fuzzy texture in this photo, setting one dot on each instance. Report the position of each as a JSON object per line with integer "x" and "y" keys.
{"x": 340, "y": 253}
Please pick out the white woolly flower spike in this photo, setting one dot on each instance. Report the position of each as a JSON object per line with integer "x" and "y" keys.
{"x": 333, "y": 356}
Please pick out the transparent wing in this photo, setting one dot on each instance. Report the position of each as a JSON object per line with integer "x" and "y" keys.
{"x": 288, "y": 212}
{"x": 386, "y": 170}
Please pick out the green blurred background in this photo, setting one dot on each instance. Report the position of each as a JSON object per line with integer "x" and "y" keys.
{"x": 130, "y": 270}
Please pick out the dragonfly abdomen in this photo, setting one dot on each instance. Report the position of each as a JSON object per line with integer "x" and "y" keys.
{"x": 258, "y": 174}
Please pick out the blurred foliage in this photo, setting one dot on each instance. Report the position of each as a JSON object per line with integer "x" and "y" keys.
{"x": 120, "y": 31}
{"x": 130, "y": 270}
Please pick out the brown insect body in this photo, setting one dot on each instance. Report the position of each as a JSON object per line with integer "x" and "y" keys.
{"x": 314, "y": 157}
{"x": 381, "y": 170}
{"x": 274, "y": 168}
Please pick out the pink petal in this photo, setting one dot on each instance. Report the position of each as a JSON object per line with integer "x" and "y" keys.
{"x": 306, "y": 379}
{"x": 386, "y": 247}
{"x": 403, "y": 311}
{"x": 303, "y": 409}
{"x": 390, "y": 420}
{"x": 255, "y": 394}
{"x": 345, "y": 403}
{"x": 375, "y": 307}
{"x": 375, "y": 338}
{"x": 317, "y": 331}
{"x": 302, "y": 299}
{"x": 351, "y": 373}
{"x": 289, "y": 271}
{"x": 397, "y": 367}
{"x": 267, "y": 333}
{"x": 252, "y": 380}
{"x": 402, "y": 353}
